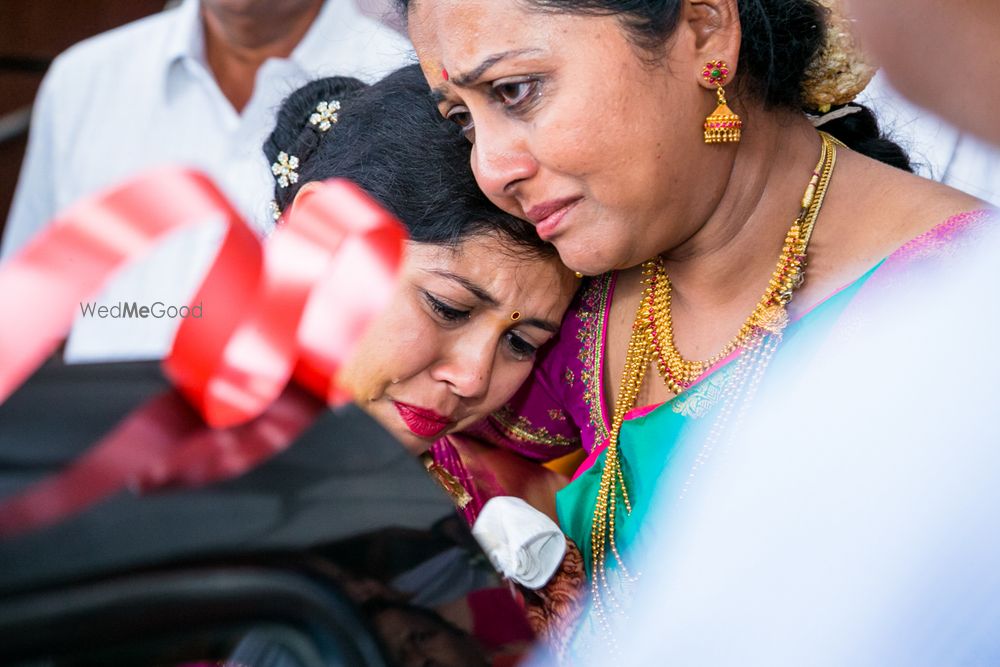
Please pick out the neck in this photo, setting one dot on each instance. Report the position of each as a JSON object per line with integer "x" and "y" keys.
{"x": 237, "y": 43}
{"x": 732, "y": 254}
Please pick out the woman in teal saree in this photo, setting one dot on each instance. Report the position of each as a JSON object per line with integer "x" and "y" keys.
{"x": 663, "y": 446}
{"x": 664, "y": 148}
{"x": 677, "y": 218}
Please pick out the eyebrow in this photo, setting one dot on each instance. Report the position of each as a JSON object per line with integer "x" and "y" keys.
{"x": 476, "y": 290}
{"x": 466, "y": 79}
{"x": 487, "y": 298}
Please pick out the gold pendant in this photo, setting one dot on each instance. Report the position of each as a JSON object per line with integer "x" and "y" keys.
{"x": 773, "y": 319}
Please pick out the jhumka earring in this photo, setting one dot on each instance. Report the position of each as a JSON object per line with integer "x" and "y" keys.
{"x": 723, "y": 126}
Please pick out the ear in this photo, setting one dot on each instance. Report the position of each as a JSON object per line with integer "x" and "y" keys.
{"x": 715, "y": 29}
{"x": 305, "y": 191}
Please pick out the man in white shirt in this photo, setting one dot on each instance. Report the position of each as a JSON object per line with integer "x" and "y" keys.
{"x": 197, "y": 85}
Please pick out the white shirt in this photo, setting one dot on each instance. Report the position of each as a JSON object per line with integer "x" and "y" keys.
{"x": 142, "y": 96}
{"x": 937, "y": 149}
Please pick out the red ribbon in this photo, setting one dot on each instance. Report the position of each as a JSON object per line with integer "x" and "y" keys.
{"x": 296, "y": 306}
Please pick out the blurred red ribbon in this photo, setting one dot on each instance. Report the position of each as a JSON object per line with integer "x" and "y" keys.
{"x": 289, "y": 308}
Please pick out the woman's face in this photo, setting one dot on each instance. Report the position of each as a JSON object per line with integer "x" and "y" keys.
{"x": 573, "y": 127}
{"x": 459, "y": 337}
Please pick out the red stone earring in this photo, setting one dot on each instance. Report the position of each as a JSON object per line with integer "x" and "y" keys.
{"x": 723, "y": 126}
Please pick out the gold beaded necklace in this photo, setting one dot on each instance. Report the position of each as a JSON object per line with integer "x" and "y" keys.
{"x": 647, "y": 344}
{"x": 679, "y": 373}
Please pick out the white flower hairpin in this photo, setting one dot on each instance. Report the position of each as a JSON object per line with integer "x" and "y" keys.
{"x": 325, "y": 115}
{"x": 284, "y": 169}
{"x": 274, "y": 210}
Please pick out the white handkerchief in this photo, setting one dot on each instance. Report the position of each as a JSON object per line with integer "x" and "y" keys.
{"x": 522, "y": 543}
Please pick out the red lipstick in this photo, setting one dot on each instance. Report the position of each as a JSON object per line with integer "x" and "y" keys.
{"x": 548, "y": 215}
{"x": 422, "y": 422}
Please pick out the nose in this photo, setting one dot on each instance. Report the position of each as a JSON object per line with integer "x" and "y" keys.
{"x": 500, "y": 161}
{"x": 467, "y": 365}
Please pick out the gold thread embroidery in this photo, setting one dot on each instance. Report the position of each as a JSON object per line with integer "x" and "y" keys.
{"x": 557, "y": 415}
{"x": 519, "y": 427}
{"x": 592, "y": 316}
{"x": 451, "y": 484}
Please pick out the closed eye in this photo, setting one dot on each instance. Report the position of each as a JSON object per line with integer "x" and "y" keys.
{"x": 521, "y": 349}
{"x": 447, "y": 313}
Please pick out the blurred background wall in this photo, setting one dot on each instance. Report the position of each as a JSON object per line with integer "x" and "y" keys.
{"x": 32, "y": 33}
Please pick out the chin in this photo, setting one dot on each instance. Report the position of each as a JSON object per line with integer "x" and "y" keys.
{"x": 389, "y": 421}
{"x": 583, "y": 258}
{"x": 587, "y": 248}
{"x": 413, "y": 444}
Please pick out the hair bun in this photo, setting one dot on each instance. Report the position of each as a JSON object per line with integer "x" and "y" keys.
{"x": 292, "y": 132}
{"x": 840, "y": 70}
{"x": 330, "y": 88}
{"x": 295, "y": 135}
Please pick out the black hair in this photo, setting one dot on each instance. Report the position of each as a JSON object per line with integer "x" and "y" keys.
{"x": 780, "y": 38}
{"x": 391, "y": 141}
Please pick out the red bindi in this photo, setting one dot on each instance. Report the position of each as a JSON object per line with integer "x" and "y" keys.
{"x": 444, "y": 73}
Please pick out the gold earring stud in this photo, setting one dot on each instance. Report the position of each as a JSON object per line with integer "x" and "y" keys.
{"x": 723, "y": 126}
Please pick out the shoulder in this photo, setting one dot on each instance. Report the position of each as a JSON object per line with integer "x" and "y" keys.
{"x": 384, "y": 26}
{"x": 372, "y": 48}
{"x": 873, "y": 208}
{"x": 109, "y": 47}
{"x": 102, "y": 57}
{"x": 370, "y": 26}
{"x": 907, "y": 205}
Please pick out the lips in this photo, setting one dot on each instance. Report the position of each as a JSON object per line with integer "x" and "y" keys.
{"x": 422, "y": 422}
{"x": 547, "y": 216}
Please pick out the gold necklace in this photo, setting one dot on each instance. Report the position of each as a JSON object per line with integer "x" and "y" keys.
{"x": 645, "y": 345}
{"x": 679, "y": 373}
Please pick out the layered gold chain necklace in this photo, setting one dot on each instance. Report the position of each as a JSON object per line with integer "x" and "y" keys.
{"x": 652, "y": 340}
